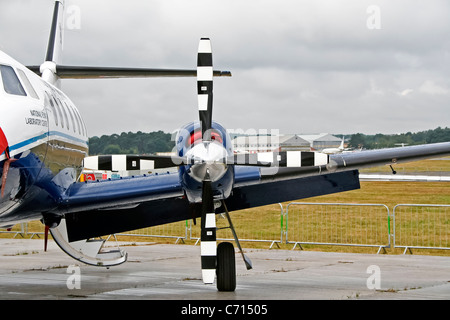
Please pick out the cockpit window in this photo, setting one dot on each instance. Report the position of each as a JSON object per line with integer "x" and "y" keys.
{"x": 27, "y": 84}
{"x": 11, "y": 82}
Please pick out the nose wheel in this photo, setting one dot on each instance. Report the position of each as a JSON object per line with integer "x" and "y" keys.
{"x": 226, "y": 267}
{"x": 222, "y": 258}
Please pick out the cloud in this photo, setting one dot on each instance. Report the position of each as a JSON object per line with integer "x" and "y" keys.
{"x": 429, "y": 87}
{"x": 406, "y": 92}
{"x": 300, "y": 66}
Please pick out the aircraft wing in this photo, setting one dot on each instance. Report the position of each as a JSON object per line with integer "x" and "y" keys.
{"x": 390, "y": 156}
{"x": 341, "y": 174}
{"x": 81, "y": 72}
{"x": 362, "y": 159}
{"x": 106, "y": 207}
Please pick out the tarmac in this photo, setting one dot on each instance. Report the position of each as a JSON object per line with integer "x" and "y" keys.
{"x": 173, "y": 272}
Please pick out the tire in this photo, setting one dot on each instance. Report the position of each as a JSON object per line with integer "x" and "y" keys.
{"x": 226, "y": 267}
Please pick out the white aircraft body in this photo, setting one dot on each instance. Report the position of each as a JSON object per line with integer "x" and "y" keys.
{"x": 340, "y": 149}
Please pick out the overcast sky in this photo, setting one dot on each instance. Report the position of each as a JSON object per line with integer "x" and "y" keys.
{"x": 337, "y": 66}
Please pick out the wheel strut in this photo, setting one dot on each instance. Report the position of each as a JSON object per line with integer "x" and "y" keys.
{"x": 247, "y": 261}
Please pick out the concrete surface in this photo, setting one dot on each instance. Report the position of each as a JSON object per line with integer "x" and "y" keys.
{"x": 172, "y": 272}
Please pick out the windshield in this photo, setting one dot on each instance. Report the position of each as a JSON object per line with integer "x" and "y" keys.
{"x": 11, "y": 82}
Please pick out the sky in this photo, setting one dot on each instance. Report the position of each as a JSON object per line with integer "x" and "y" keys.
{"x": 298, "y": 66}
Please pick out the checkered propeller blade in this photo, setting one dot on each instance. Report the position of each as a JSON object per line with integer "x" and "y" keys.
{"x": 208, "y": 234}
{"x": 205, "y": 86}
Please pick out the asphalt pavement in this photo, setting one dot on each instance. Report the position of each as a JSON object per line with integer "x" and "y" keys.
{"x": 173, "y": 272}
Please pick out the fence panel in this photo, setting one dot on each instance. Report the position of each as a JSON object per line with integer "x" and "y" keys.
{"x": 343, "y": 224}
{"x": 265, "y": 227}
{"x": 16, "y": 230}
{"x": 422, "y": 226}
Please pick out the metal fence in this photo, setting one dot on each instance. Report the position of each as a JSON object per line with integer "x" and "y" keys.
{"x": 176, "y": 230}
{"x": 408, "y": 226}
{"x": 265, "y": 227}
{"x": 421, "y": 226}
{"x": 270, "y": 229}
{"x": 344, "y": 224}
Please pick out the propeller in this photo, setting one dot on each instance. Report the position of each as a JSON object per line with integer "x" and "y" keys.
{"x": 293, "y": 159}
{"x": 208, "y": 160}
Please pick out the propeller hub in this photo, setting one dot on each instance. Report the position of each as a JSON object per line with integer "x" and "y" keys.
{"x": 208, "y": 161}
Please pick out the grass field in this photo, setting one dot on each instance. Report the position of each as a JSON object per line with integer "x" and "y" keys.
{"x": 267, "y": 223}
{"x": 441, "y": 165}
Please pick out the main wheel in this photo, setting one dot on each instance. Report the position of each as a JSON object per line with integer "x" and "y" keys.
{"x": 226, "y": 267}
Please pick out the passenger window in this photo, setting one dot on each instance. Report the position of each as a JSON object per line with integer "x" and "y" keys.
{"x": 58, "y": 107}
{"x": 81, "y": 122}
{"x": 55, "y": 115}
{"x": 71, "y": 116}
{"x": 77, "y": 121}
{"x": 11, "y": 83}
{"x": 84, "y": 127}
{"x": 27, "y": 84}
{"x": 64, "y": 112}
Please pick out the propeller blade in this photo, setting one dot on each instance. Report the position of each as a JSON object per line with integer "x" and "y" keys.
{"x": 205, "y": 86}
{"x": 122, "y": 162}
{"x": 208, "y": 234}
{"x": 290, "y": 159}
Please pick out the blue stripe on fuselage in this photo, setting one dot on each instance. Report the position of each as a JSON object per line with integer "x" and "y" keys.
{"x": 43, "y": 136}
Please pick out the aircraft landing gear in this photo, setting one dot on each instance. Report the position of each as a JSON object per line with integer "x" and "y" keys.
{"x": 217, "y": 262}
{"x": 226, "y": 264}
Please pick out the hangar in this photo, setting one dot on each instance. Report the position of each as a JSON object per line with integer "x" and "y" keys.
{"x": 287, "y": 142}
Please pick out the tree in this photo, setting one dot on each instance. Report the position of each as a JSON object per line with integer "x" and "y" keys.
{"x": 112, "y": 149}
{"x": 131, "y": 143}
{"x": 379, "y": 140}
{"x": 357, "y": 140}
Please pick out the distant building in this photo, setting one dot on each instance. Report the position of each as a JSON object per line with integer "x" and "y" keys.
{"x": 321, "y": 141}
{"x": 293, "y": 142}
{"x": 253, "y": 144}
{"x": 289, "y": 142}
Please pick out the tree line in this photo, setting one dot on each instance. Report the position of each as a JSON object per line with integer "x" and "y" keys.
{"x": 378, "y": 141}
{"x": 131, "y": 143}
{"x": 159, "y": 141}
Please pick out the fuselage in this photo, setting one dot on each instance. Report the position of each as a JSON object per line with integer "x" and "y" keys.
{"x": 46, "y": 138}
